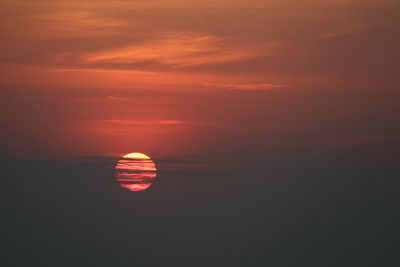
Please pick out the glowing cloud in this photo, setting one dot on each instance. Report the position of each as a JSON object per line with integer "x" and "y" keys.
{"x": 176, "y": 49}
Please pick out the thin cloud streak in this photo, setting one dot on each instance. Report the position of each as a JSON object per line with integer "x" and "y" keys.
{"x": 247, "y": 87}
{"x": 175, "y": 49}
{"x": 138, "y": 122}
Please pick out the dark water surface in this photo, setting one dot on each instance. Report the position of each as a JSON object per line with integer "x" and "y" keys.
{"x": 75, "y": 214}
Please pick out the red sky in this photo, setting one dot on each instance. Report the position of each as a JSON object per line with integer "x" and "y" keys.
{"x": 222, "y": 79}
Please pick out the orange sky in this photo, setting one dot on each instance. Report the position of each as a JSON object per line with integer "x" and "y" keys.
{"x": 171, "y": 78}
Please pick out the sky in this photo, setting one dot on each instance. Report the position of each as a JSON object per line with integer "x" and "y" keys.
{"x": 273, "y": 125}
{"x": 197, "y": 78}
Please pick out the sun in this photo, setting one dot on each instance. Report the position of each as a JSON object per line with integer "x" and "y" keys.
{"x": 136, "y": 155}
{"x": 135, "y": 171}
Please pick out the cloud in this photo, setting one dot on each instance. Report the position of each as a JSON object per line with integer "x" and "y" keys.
{"x": 74, "y": 24}
{"x": 247, "y": 87}
{"x": 362, "y": 140}
{"x": 174, "y": 49}
{"x": 118, "y": 99}
{"x": 142, "y": 122}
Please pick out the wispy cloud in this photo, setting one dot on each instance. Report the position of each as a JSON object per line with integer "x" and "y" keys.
{"x": 142, "y": 122}
{"x": 118, "y": 98}
{"x": 175, "y": 49}
{"x": 73, "y": 24}
{"x": 360, "y": 140}
{"x": 248, "y": 86}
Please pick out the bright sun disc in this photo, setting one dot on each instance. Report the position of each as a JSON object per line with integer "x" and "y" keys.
{"x": 136, "y": 156}
{"x": 135, "y": 171}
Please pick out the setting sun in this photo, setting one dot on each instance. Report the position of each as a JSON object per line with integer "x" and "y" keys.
{"x": 135, "y": 171}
